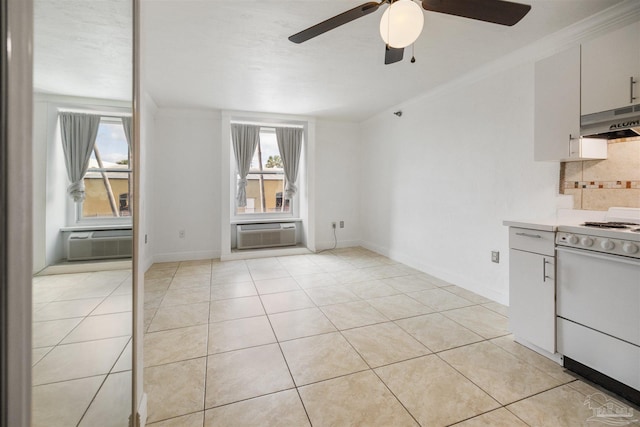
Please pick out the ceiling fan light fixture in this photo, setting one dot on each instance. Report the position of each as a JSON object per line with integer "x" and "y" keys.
{"x": 401, "y": 23}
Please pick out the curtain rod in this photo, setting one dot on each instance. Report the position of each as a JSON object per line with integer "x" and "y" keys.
{"x": 94, "y": 112}
{"x": 267, "y": 124}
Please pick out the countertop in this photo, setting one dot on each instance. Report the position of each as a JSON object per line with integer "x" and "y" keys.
{"x": 564, "y": 217}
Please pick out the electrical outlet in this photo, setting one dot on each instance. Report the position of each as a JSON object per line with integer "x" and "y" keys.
{"x": 495, "y": 256}
{"x": 333, "y": 225}
{"x": 341, "y": 224}
{"x": 181, "y": 234}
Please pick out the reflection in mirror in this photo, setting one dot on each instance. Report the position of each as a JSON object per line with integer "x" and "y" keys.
{"x": 82, "y": 293}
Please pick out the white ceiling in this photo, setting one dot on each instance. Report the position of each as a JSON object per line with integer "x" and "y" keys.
{"x": 234, "y": 54}
{"x": 83, "y": 48}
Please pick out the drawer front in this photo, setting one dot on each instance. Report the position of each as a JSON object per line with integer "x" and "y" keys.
{"x": 613, "y": 357}
{"x": 525, "y": 239}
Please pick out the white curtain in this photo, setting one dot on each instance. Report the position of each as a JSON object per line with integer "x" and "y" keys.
{"x": 245, "y": 139}
{"x": 78, "y": 133}
{"x": 290, "y": 146}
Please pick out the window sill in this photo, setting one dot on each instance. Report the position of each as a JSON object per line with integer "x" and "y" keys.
{"x": 264, "y": 220}
{"x": 97, "y": 227}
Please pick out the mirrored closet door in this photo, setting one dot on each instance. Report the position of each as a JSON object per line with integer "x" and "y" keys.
{"x": 82, "y": 228}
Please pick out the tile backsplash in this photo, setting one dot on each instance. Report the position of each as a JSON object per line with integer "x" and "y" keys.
{"x": 601, "y": 184}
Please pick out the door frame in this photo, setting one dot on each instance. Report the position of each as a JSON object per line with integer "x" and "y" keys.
{"x": 16, "y": 211}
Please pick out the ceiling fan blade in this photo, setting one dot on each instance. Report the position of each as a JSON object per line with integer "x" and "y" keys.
{"x": 336, "y": 21}
{"x": 392, "y": 54}
{"x": 494, "y": 11}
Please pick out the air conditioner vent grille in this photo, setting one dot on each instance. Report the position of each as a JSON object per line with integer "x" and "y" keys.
{"x": 251, "y": 236}
{"x": 95, "y": 245}
{"x": 250, "y": 227}
{"x": 112, "y": 233}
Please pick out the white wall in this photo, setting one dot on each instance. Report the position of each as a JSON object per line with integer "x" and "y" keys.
{"x": 148, "y": 110}
{"x": 39, "y": 184}
{"x": 186, "y": 184}
{"x": 444, "y": 176}
{"x": 49, "y": 185}
{"x": 437, "y": 182}
{"x": 337, "y": 171}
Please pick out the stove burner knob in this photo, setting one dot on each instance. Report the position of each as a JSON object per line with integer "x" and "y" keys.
{"x": 587, "y": 241}
{"x": 630, "y": 248}
{"x": 572, "y": 239}
{"x": 607, "y": 245}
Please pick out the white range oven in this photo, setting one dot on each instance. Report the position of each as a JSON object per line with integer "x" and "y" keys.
{"x": 598, "y": 303}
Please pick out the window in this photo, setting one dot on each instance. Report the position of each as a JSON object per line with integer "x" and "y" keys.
{"x": 266, "y": 180}
{"x": 107, "y": 181}
{"x": 292, "y": 138}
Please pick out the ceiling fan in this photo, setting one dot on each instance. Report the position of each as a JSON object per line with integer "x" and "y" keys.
{"x": 402, "y": 21}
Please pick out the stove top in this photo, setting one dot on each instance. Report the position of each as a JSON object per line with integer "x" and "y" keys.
{"x": 612, "y": 237}
{"x": 618, "y": 231}
{"x": 611, "y": 224}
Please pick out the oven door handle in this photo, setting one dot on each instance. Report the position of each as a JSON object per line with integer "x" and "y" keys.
{"x": 607, "y": 257}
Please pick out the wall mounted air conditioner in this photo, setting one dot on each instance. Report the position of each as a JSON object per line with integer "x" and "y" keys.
{"x": 103, "y": 244}
{"x": 250, "y": 236}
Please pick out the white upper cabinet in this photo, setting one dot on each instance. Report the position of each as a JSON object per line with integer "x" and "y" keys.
{"x": 557, "y": 104}
{"x": 609, "y": 63}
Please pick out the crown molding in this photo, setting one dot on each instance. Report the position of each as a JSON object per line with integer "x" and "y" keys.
{"x": 617, "y": 16}
{"x": 614, "y": 17}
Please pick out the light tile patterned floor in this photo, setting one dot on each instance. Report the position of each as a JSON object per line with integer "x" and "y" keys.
{"x": 81, "y": 349}
{"x": 342, "y": 338}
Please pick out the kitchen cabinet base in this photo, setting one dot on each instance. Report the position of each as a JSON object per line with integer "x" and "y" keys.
{"x": 532, "y": 290}
{"x": 622, "y": 390}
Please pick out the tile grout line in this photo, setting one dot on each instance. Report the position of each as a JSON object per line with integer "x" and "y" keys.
{"x": 393, "y": 321}
{"x": 206, "y": 351}
{"x": 71, "y": 379}
{"x": 485, "y": 391}
{"x": 295, "y": 385}
{"x": 146, "y": 329}
{"x": 370, "y": 368}
{"x": 84, "y": 414}
{"x": 59, "y": 344}
{"x": 373, "y": 370}
{"x": 180, "y": 264}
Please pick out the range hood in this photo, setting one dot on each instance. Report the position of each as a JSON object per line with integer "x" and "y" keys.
{"x": 612, "y": 124}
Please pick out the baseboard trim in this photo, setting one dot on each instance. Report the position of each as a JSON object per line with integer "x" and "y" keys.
{"x": 264, "y": 253}
{"x": 186, "y": 256}
{"x": 443, "y": 277}
{"x": 323, "y": 246}
{"x": 148, "y": 262}
{"x": 85, "y": 267}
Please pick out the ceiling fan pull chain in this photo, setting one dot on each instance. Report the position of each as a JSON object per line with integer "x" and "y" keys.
{"x": 413, "y": 53}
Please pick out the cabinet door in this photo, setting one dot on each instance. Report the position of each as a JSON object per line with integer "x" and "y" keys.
{"x": 608, "y": 63}
{"x": 532, "y": 293}
{"x": 557, "y": 104}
